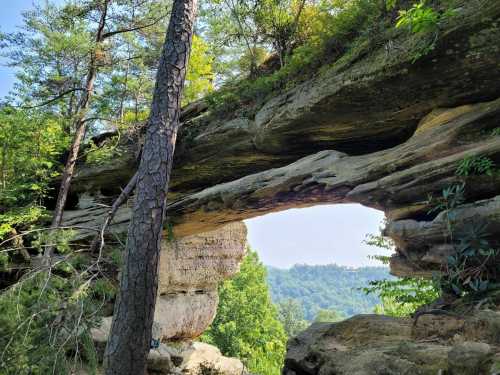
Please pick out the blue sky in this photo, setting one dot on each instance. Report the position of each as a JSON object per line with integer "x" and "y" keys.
{"x": 10, "y": 17}
{"x": 316, "y": 235}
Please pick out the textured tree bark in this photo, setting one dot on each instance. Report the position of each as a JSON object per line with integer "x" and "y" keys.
{"x": 130, "y": 337}
{"x": 80, "y": 128}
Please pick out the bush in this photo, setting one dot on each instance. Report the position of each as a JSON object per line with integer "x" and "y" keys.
{"x": 403, "y": 296}
{"x": 45, "y": 321}
{"x": 335, "y": 27}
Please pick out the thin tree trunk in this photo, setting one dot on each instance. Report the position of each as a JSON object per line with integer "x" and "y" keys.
{"x": 295, "y": 25}
{"x": 130, "y": 338}
{"x": 80, "y": 126}
{"x": 98, "y": 241}
{"x": 251, "y": 51}
{"x": 4, "y": 166}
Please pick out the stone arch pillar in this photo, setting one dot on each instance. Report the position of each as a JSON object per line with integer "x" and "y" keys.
{"x": 190, "y": 271}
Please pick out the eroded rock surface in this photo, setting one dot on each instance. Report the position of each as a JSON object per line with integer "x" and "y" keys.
{"x": 178, "y": 358}
{"x": 375, "y": 128}
{"x": 190, "y": 270}
{"x": 375, "y": 344}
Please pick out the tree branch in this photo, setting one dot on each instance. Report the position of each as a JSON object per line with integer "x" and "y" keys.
{"x": 121, "y": 31}
{"x": 54, "y": 99}
{"x": 98, "y": 241}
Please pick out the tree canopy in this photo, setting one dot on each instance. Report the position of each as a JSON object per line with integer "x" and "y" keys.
{"x": 246, "y": 325}
{"x": 326, "y": 287}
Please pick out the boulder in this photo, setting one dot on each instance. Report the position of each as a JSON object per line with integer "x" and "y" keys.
{"x": 435, "y": 343}
{"x": 470, "y": 358}
{"x": 177, "y": 357}
{"x": 363, "y": 345}
{"x": 203, "y": 359}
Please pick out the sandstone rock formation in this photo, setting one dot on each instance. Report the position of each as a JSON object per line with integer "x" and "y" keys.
{"x": 179, "y": 358}
{"x": 190, "y": 270}
{"x": 375, "y": 128}
{"x": 375, "y": 344}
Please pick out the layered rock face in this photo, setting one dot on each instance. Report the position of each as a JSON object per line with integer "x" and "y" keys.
{"x": 190, "y": 270}
{"x": 375, "y": 128}
{"x": 375, "y": 344}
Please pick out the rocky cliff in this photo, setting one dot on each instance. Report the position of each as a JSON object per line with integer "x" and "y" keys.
{"x": 375, "y": 128}
{"x": 376, "y": 344}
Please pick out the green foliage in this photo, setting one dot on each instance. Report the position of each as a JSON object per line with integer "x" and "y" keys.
{"x": 104, "y": 289}
{"x": 401, "y": 296}
{"x": 495, "y": 132}
{"x": 100, "y": 155}
{"x": 451, "y": 197}
{"x": 328, "y": 316}
{"x": 473, "y": 263}
{"x": 470, "y": 269}
{"x": 44, "y": 325}
{"x": 420, "y": 18}
{"x": 10, "y": 222}
{"x": 30, "y": 144}
{"x": 22, "y": 217}
{"x": 391, "y": 4}
{"x": 291, "y": 315}
{"x": 4, "y": 261}
{"x": 199, "y": 76}
{"x": 475, "y": 165}
{"x": 60, "y": 239}
{"x": 329, "y": 287}
{"x": 329, "y": 29}
{"x": 390, "y": 307}
{"x": 246, "y": 325}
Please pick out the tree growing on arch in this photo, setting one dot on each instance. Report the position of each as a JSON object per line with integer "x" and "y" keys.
{"x": 130, "y": 337}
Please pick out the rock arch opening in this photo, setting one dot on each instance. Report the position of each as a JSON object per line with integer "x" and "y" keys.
{"x": 322, "y": 234}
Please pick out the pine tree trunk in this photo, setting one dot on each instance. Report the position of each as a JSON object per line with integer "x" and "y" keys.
{"x": 130, "y": 337}
{"x": 80, "y": 126}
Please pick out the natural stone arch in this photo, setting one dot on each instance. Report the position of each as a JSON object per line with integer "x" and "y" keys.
{"x": 397, "y": 181}
{"x": 375, "y": 128}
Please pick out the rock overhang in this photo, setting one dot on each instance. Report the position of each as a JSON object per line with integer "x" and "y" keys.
{"x": 378, "y": 129}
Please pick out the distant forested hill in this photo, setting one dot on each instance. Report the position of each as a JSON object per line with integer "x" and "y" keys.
{"x": 326, "y": 287}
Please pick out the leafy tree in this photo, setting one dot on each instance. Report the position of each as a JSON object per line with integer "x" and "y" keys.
{"x": 79, "y": 32}
{"x": 30, "y": 145}
{"x": 325, "y": 315}
{"x": 247, "y": 325}
{"x": 45, "y": 320}
{"x": 291, "y": 315}
{"x": 279, "y": 21}
{"x": 199, "y": 77}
